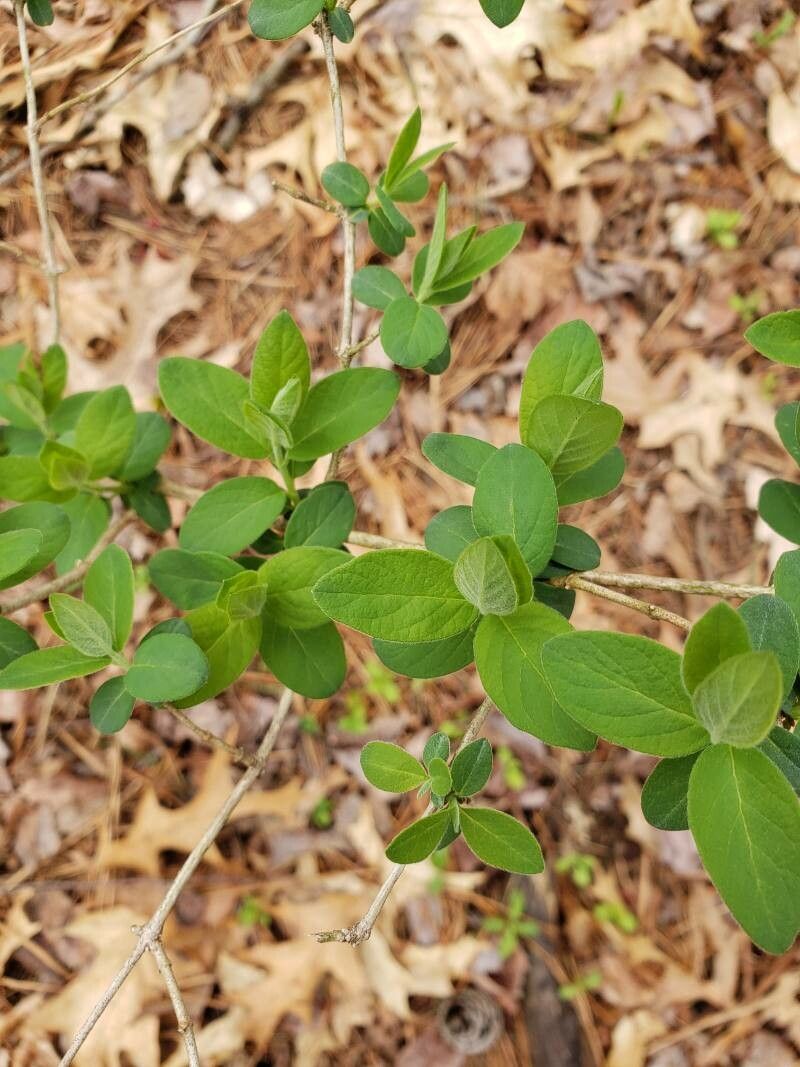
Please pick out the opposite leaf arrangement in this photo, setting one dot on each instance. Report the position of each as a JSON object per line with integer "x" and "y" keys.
{"x": 262, "y": 565}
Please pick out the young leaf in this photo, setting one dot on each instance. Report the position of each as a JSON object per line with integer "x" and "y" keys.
{"x": 715, "y": 637}
{"x": 418, "y": 840}
{"x": 396, "y": 595}
{"x": 46, "y": 666}
{"x": 242, "y": 596}
{"x": 435, "y": 248}
{"x": 14, "y": 642}
{"x": 281, "y": 354}
{"x": 377, "y": 287}
{"x": 275, "y": 20}
{"x": 450, "y": 532}
{"x": 342, "y": 26}
{"x": 111, "y": 706}
{"x": 309, "y": 662}
{"x": 745, "y": 820}
{"x": 457, "y": 455}
{"x": 625, "y": 688}
{"x": 65, "y": 467}
{"x": 502, "y": 12}
{"x": 166, "y": 667}
{"x": 290, "y": 577}
{"x": 391, "y": 768}
{"x": 403, "y": 150}
{"x": 190, "y": 579}
{"x": 23, "y": 478}
{"x": 105, "y": 430}
{"x": 777, "y": 337}
{"x": 508, "y": 654}
{"x": 150, "y": 442}
{"x": 228, "y": 645}
{"x": 231, "y": 515}
{"x": 18, "y": 547}
{"x": 787, "y": 423}
{"x": 515, "y": 495}
{"x": 567, "y": 362}
{"x": 665, "y": 794}
{"x": 383, "y": 233}
{"x": 738, "y": 702}
{"x": 483, "y": 253}
{"x": 499, "y": 840}
{"x": 773, "y": 628}
{"x": 779, "y": 507}
{"x": 412, "y": 334}
{"x": 341, "y": 408}
{"x": 109, "y": 589}
{"x": 437, "y": 745}
{"x": 82, "y": 626}
{"x": 783, "y": 748}
{"x": 571, "y": 433}
{"x": 427, "y": 659}
{"x": 602, "y": 477}
{"x": 346, "y": 184}
{"x": 472, "y": 768}
{"x": 324, "y": 517}
{"x": 393, "y": 215}
{"x": 441, "y": 782}
{"x": 491, "y": 574}
{"x": 208, "y": 399}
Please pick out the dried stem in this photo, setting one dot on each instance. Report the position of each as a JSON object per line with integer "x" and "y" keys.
{"x": 72, "y": 577}
{"x": 152, "y": 930}
{"x": 23, "y": 257}
{"x": 239, "y": 755}
{"x": 50, "y": 267}
{"x": 181, "y": 1014}
{"x": 299, "y": 194}
{"x": 692, "y": 586}
{"x": 368, "y": 540}
{"x": 653, "y": 611}
{"x": 362, "y": 930}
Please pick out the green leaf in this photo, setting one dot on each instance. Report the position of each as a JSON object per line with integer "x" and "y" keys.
{"x": 783, "y": 748}
{"x": 150, "y": 505}
{"x": 719, "y": 634}
{"x": 65, "y": 468}
{"x": 772, "y": 628}
{"x": 566, "y": 362}
{"x": 499, "y": 840}
{"x": 450, "y": 532}
{"x": 779, "y": 507}
{"x": 105, "y": 430}
{"x": 437, "y": 745}
{"x": 109, "y": 589}
{"x": 393, "y": 215}
{"x": 625, "y": 688}
{"x": 309, "y": 662}
{"x": 508, "y": 654}
{"x": 166, "y": 667}
{"x": 472, "y": 768}
{"x": 242, "y": 596}
{"x": 208, "y": 400}
{"x": 491, "y": 574}
{"x": 483, "y": 253}
{"x": 560, "y": 600}
{"x": 427, "y": 659}
{"x": 391, "y": 768}
{"x": 440, "y": 363}
{"x": 502, "y": 12}
{"x": 787, "y": 581}
{"x": 457, "y": 455}
{"x": 150, "y": 441}
{"x": 46, "y": 666}
{"x": 82, "y": 625}
{"x": 745, "y": 820}
{"x": 377, "y": 287}
{"x": 404, "y": 146}
{"x": 602, "y": 477}
{"x": 396, "y": 595}
{"x": 342, "y": 26}
{"x": 777, "y": 337}
{"x": 435, "y": 248}
{"x": 111, "y": 706}
{"x": 574, "y": 549}
{"x": 41, "y": 12}
{"x": 290, "y": 577}
{"x": 418, "y": 840}
{"x": 341, "y": 408}
{"x": 23, "y": 478}
{"x": 441, "y": 782}
{"x": 738, "y": 702}
{"x": 229, "y": 647}
{"x": 324, "y": 517}
{"x": 515, "y": 495}
{"x": 18, "y": 547}
{"x": 412, "y": 334}
{"x": 14, "y": 642}
{"x": 231, "y": 515}
{"x": 53, "y": 369}
{"x": 51, "y": 526}
{"x": 86, "y": 517}
{"x": 787, "y": 423}
{"x": 571, "y": 433}
{"x": 383, "y": 233}
{"x": 346, "y": 184}
{"x": 275, "y": 20}
{"x": 666, "y": 793}
{"x": 190, "y": 579}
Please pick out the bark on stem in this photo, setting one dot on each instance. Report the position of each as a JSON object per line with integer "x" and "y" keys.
{"x": 182, "y": 1016}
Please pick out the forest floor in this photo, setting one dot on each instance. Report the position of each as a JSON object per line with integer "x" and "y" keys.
{"x": 653, "y": 152}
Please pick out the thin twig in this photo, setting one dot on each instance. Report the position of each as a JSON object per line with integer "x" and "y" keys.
{"x": 362, "y": 930}
{"x": 692, "y": 586}
{"x": 50, "y": 266}
{"x": 299, "y": 194}
{"x": 368, "y": 540}
{"x": 236, "y": 753}
{"x": 185, "y": 1027}
{"x": 23, "y": 257}
{"x": 72, "y": 577}
{"x": 155, "y": 925}
{"x": 187, "y": 32}
{"x": 653, "y": 611}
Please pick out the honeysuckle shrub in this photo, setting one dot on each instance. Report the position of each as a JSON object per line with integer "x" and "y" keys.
{"x": 262, "y": 566}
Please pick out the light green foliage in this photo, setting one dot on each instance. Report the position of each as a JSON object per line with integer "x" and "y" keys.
{"x": 391, "y": 768}
{"x": 231, "y": 515}
{"x": 491, "y": 574}
{"x": 499, "y": 840}
{"x": 511, "y": 927}
{"x": 772, "y": 627}
{"x": 737, "y": 703}
{"x": 777, "y": 337}
{"x": 715, "y": 637}
{"x": 459, "y": 456}
{"x": 324, "y": 517}
{"x": 166, "y": 667}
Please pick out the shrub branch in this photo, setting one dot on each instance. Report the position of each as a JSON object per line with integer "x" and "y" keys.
{"x": 185, "y": 1027}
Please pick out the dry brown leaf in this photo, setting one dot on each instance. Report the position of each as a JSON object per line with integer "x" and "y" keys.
{"x": 16, "y": 929}
{"x": 783, "y": 124}
{"x": 631, "y": 1037}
